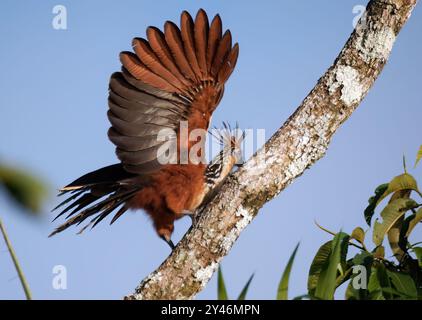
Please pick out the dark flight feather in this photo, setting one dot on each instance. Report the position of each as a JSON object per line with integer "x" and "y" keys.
{"x": 133, "y": 108}
{"x": 132, "y": 143}
{"x": 134, "y": 129}
{"x": 142, "y": 115}
{"x": 121, "y": 87}
{"x": 145, "y": 88}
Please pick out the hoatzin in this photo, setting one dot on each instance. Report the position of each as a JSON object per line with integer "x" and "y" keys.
{"x": 173, "y": 76}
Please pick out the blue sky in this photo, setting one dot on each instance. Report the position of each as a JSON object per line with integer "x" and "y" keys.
{"x": 53, "y": 121}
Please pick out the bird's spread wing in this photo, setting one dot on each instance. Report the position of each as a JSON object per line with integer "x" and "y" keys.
{"x": 169, "y": 75}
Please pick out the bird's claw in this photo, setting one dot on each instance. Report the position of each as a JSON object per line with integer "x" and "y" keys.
{"x": 194, "y": 218}
{"x": 169, "y": 242}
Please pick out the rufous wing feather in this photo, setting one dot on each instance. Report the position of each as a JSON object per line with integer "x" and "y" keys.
{"x": 158, "y": 44}
{"x": 138, "y": 70}
{"x": 187, "y": 32}
{"x": 213, "y": 39}
{"x": 148, "y": 57}
{"x": 223, "y": 49}
{"x": 228, "y": 65}
{"x": 175, "y": 43}
{"x": 201, "y": 41}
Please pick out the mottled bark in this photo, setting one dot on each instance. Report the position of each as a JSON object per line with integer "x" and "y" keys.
{"x": 299, "y": 143}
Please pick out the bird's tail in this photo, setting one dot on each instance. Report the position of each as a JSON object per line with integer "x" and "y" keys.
{"x": 96, "y": 195}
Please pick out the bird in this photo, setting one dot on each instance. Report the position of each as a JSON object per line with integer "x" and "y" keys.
{"x": 175, "y": 78}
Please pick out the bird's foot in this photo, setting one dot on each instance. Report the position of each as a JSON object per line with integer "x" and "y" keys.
{"x": 169, "y": 242}
{"x": 195, "y": 218}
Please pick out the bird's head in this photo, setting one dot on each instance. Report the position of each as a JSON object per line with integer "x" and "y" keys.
{"x": 231, "y": 154}
{"x": 231, "y": 141}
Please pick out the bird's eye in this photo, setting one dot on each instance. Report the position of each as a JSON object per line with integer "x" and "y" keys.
{"x": 203, "y": 114}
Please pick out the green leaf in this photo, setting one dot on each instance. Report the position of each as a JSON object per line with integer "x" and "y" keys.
{"x": 24, "y": 188}
{"x": 395, "y": 233}
{"x": 384, "y": 282}
{"x": 302, "y": 297}
{"x": 374, "y": 286}
{"x": 221, "y": 287}
{"x": 379, "y": 252}
{"x": 402, "y": 182}
{"x": 418, "y": 253}
{"x": 392, "y": 294}
{"x": 317, "y": 265}
{"x": 404, "y": 284}
{"x": 242, "y": 295}
{"x": 358, "y": 234}
{"x": 373, "y": 201}
{"x": 391, "y": 213}
{"x": 413, "y": 222}
{"x": 344, "y": 277}
{"x": 351, "y": 293}
{"x": 402, "y": 243}
{"x": 395, "y": 285}
{"x": 399, "y": 183}
{"x": 283, "y": 286}
{"x": 419, "y": 156}
{"x": 326, "y": 285}
{"x": 363, "y": 258}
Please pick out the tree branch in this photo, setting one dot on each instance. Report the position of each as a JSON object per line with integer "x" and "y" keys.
{"x": 299, "y": 143}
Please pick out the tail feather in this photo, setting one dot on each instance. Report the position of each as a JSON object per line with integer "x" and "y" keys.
{"x": 119, "y": 214}
{"x": 100, "y": 209}
{"x": 101, "y": 176}
{"x": 76, "y": 194}
{"x": 96, "y": 194}
{"x": 77, "y": 205}
{"x": 113, "y": 206}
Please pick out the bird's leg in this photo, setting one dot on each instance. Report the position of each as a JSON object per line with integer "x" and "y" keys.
{"x": 194, "y": 218}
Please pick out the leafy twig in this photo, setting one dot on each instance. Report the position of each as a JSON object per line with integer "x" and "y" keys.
{"x": 333, "y": 233}
{"x": 16, "y": 262}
